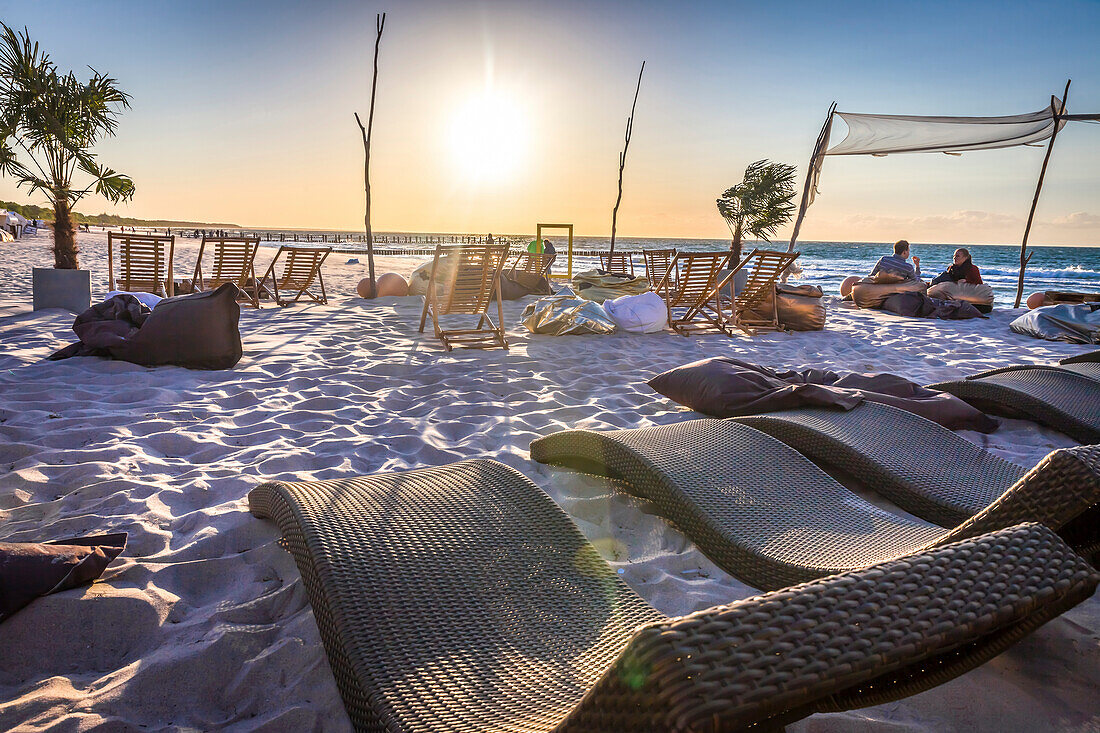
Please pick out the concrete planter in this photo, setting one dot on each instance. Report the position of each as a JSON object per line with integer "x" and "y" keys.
{"x": 68, "y": 289}
{"x": 739, "y": 281}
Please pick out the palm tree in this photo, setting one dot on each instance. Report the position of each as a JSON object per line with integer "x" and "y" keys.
{"x": 49, "y": 123}
{"x": 760, "y": 204}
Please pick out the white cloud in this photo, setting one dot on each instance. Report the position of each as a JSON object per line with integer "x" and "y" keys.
{"x": 1076, "y": 220}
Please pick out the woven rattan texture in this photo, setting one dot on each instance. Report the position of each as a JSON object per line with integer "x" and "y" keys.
{"x": 921, "y": 466}
{"x": 462, "y": 599}
{"x": 1088, "y": 356}
{"x": 780, "y": 655}
{"x": 755, "y": 506}
{"x": 1060, "y": 399}
{"x": 765, "y": 513}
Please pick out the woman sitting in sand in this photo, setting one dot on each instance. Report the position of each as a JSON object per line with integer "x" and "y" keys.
{"x": 962, "y": 269}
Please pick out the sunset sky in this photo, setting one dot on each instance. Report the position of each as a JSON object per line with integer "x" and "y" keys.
{"x": 492, "y": 116}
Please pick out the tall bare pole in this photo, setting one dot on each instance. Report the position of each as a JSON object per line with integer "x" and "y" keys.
{"x": 812, "y": 173}
{"x": 1024, "y": 256}
{"x": 380, "y": 22}
{"x": 622, "y": 157}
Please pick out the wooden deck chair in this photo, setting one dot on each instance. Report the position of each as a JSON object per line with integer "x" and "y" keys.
{"x": 234, "y": 262}
{"x": 473, "y": 281}
{"x": 144, "y": 263}
{"x": 754, "y": 308}
{"x": 301, "y": 269}
{"x": 537, "y": 263}
{"x": 620, "y": 263}
{"x": 691, "y": 283}
{"x": 657, "y": 263}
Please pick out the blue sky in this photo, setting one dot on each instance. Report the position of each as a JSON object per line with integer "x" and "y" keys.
{"x": 243, "y": 111}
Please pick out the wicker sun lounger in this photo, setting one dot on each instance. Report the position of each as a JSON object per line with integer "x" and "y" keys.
{"x": 462, "y": 598}
{"x": 1088, "y": 356}
{"x": 767, "y": 514}
{"x": 923, "y": 467}
{"x": 1067, "y": 401}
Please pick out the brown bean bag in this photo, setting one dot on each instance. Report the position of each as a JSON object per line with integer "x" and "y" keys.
{"x": 978, "y": 295}
{"x": 726, "y": 387}
{"x": 516, "y": 284}
{"x": 869, "y": 294}
{"x": 798, "y": 307}
{"x": 32, "y": 569}
{"x": 197, "y": 331}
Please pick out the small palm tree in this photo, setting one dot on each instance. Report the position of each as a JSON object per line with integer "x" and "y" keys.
{"x": 760, "y": 204}
{"x": 49, "y": 123}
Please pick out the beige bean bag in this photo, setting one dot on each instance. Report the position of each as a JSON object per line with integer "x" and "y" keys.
{"x": 979, "y": 295}
{"x": 869, "y": 294}
{"x": 418, "y": 280}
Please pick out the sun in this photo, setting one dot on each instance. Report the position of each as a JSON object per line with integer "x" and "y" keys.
{"x": 487, "y": 137}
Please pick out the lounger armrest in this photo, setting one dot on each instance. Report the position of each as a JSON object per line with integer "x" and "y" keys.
{"x": 849, "y": 640}
{"x": 1061, "y": 492}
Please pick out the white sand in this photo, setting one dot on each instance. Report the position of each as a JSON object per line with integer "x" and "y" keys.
{"x": 203, "y": 623}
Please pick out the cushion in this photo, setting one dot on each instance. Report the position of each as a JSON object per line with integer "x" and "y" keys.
{"x": 198, "y": 331}
{"x": 724, "y": 387}
{"x": 869, "y": 294}
{"x": 888, "y": 278}
{"x": 645, "y": 313}
{"x": 977, "y": 294}
{"x": 30, "y": 569}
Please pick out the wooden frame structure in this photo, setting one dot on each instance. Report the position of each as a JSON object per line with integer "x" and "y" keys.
{"x": 758, "y": 290}
{"x": 537, "y": 263}
{"x": 658, "y": 263}
{"x": 301, "y": 268}
{"x": 696, "y": 289}
{"x": 1058, "y": 119}
{"x": 234, "y": 262}
{"x": 143, "y": 266}
{"x": 569, "y": 229}
{"x": 619, "y": 263}
{"x": 472, "y": 283}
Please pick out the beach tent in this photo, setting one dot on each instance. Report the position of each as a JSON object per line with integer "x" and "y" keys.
{"x": 882, "y": 135}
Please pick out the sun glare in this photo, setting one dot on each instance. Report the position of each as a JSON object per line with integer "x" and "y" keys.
{"x": 488, "y": 138}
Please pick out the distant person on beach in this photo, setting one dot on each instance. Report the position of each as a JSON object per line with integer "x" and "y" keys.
{"x": 896, "y": 265}
{"x": 961, "y": 269}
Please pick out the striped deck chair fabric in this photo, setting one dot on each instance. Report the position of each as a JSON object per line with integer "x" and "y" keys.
{"x": 301, "y": 273}
{"x": 657, "y": 264}
{"x": 144, "y": 263}
{"x": 754, "y": 308}
{"x": 690, "y": 291}
{"x": 620, "y": 263}
{"x": 234, "y": 261}
{"x": 471, "y": 284}
{"x": 537, "y": 263}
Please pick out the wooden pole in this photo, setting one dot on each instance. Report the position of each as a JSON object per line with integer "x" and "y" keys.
{"x": 622, "y": 157}
{"x": 380, "y": 21}
{"x": 1024, "y": 256}
{"x": 822, "y": 141}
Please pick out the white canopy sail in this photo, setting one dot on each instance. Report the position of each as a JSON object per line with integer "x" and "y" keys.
{"x": 883, "y": 134}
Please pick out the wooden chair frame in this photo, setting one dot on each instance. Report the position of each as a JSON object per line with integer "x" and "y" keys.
{"x": 658, "y": 263}
{"x": 473, "y": 282}
{"x": 538, "y": 263}
{"x": 690, "y": 283}
{"x": 769, "y": 266}
{"x": 301, "y": 268}
{"x": 234, "y": 262}
{"x": 609, "y": 261}
{"x": 142, "y": 265}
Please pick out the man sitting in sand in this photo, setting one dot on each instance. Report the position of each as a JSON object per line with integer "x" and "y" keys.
{"x": 895, "y": 267}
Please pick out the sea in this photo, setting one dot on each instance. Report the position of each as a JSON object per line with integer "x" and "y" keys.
{"x": 826, "y": 264}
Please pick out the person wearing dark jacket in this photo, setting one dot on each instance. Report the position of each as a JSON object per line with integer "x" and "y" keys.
{"x": 962, "y": 269}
